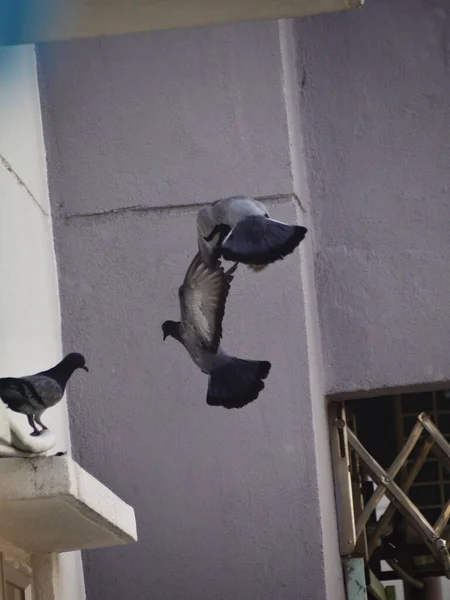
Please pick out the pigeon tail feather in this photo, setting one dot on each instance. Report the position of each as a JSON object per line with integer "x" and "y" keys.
{"x": 258, "y": 240}
{"x": 237, "y": 382}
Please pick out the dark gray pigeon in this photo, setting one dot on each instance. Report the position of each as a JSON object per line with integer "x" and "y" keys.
{"x": 233, "y": 382}
{"x": 239, "y": 229}
{"x": 32, "y": 395}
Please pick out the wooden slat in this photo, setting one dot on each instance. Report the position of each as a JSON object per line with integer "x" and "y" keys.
{"x": 376, "y": 588}
{"x": 389, "y": 512}
{"x": 435, "y": 433}
{"x": 358, "y": 505}
{"x": 441, "y": 457}
{"x": 342, "y": 482}
{"x": 361, "y": 548}
{"x": 397, "y": 496}
{"x": 443, "y": 519}
{"x": 392, "y": 472}
{"x": 405, "y": 575}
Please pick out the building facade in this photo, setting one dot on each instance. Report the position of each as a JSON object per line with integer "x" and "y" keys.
{"x": 339, "y": 122}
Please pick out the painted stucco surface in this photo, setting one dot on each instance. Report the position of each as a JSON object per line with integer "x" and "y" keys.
{"x": 29, "y": 312}
{"x": 223, "y": 499}
{"x": 170, "y": 117}
{"x": 376, "y": 111}
{"x": 137, "y": 130}
{"x": 30, "y": 334}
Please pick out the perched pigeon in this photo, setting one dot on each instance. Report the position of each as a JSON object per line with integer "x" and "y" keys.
{"x": 233, "y": 382}
{"x": 32, "y": 395}
{"x": 239, "y": 229}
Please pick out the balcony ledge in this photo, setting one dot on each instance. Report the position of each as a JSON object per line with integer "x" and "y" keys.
{"x": 51, "y": 504}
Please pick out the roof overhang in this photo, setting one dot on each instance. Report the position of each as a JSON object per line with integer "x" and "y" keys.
{"x": 50, "y": 20}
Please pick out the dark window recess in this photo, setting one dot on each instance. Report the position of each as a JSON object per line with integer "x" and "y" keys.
{"x": 416, "y": 403}
{"x": 426, "y": 495}
{"x": 431, "y": 514}
{"x": 428, "y": 473}
{"x": 444, "y": 422}
{"x": 443, "y": 400}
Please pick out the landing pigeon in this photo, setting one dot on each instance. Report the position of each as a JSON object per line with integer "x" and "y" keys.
{"x": 32, "y": 395}
{"x": 239, "y": 229}
{"x": 233, "y": 382}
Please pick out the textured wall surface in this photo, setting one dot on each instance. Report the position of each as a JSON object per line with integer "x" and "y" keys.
{"x": 194, "y": 115}
{"x": 138, "y": 130}
{"x": 376, "y": 110}
{"x": 30, "y": 334}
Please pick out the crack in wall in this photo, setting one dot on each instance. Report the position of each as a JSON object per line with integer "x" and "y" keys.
{"x": 21, "y": 182}
{"x": 181, "y": 208}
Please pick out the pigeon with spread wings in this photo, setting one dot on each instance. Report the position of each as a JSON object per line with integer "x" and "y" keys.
{"x": 239, "y": 229}
{"x": 233, "y": 382}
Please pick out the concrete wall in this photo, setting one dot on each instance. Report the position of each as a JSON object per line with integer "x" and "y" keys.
{"x": 139, "y": 131}
{"x": 376, "y": 113}
{"x": 30, "y": 338}
{"x": 375, "y": 103}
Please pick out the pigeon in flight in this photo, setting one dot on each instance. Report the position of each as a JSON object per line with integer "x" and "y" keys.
{"x": 32, "y": 395}
{"x": 239, "y": 229}
{"x": 233, "y": 382}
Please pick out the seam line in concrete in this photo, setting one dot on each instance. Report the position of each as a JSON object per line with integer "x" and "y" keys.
{"x": 21, "y": 182}
{"x": 181, "y": 208}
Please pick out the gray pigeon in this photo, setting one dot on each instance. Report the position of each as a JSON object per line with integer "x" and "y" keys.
{"x": 233, "y": 382}
{"x": 32, "y": 395}
{"x": 239, "y": 229}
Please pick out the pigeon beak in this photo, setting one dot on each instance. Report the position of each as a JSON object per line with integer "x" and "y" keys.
{"x": 85, "y": 368}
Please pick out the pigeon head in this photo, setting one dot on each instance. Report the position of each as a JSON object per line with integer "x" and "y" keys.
{"x": 170, "y": 328}
{"x": 74, "y": 360}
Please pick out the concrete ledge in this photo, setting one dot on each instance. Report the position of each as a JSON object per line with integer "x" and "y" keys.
{"x": 50, "y": 504}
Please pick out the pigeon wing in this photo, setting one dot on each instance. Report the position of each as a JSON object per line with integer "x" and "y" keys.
{"x": 36, "y": 392}
{"x": 13, "y": 392}
{"x": 46, "y": 388}
{"x": 205, "y": 221}
{"x": 202, "y": 300}
{"x": 208, "y": 240}
{"x": 231, "y": 210}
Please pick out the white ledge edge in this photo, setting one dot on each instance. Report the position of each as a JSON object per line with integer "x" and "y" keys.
{"x": 51, "y": 504}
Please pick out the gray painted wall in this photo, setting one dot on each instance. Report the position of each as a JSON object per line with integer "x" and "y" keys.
{"x": 140, "y": 129}
{"x": 376, "y": 112}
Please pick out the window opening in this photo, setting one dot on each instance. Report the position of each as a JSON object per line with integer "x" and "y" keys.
{"x": 391, "y": 462}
